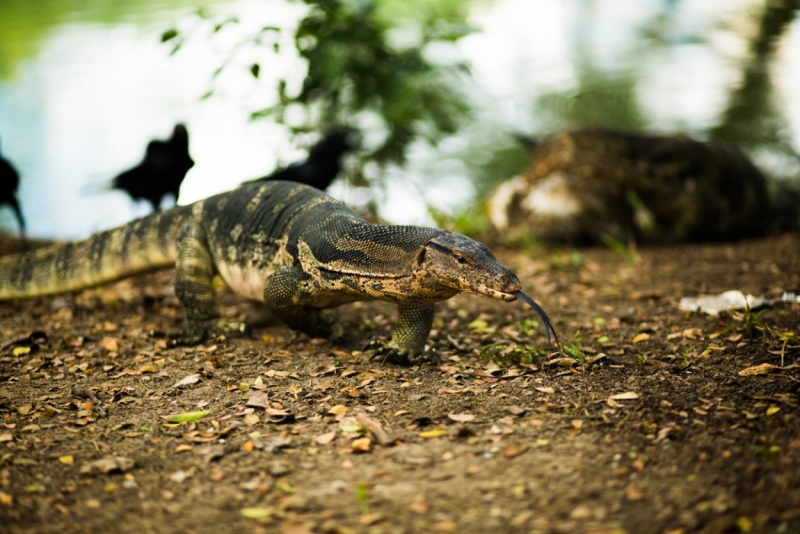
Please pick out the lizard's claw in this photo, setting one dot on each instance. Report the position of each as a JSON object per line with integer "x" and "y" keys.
{"x": 201, "y": 331}
{"x": 391, "y": 353}
{"x": 321, "y": 323}
{"x": 387, "y": 352}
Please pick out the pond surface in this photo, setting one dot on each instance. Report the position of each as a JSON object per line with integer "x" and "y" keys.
{"x": 84, "y": 87}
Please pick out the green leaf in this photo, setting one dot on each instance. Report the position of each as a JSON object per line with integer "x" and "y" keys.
{"x": 187, "y": 417}
{"x": 169, "y": 35}
{"x": 256, "y": 513}
{"x": 347, "y": 426}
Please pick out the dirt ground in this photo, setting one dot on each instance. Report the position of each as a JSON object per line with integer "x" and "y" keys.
{"x": 648, "y": 425}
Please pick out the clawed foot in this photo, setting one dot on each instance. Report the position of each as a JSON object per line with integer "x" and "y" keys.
{"x": 200, "y": 331}
{"x": 320, "y": 323}
{"x": 391, "y": 353}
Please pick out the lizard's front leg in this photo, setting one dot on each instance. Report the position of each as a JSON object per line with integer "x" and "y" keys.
{"x": 408, "y": 339}
{"x": 287, "y": 294}
{"x": 194, "y": 270}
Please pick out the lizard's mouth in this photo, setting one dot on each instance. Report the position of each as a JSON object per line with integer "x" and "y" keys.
{"x": 496, "y": 294}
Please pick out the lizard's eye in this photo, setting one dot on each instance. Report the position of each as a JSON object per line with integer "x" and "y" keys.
{"x": 461, "y": 259}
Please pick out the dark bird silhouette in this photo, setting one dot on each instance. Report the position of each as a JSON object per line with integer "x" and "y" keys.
{"x": 162, "y": 170}
{"x": 324, "y": 161}
{"x": 9, "y": 182}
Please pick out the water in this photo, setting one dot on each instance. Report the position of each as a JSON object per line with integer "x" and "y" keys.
{"x": 85, "y": 86}
{"x": 82, "y": 105}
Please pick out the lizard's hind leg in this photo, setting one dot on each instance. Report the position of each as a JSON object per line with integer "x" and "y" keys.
{"x": 194, "y": 270}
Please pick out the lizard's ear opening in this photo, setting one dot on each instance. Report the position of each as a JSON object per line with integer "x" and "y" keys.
{"x": 419, "y": 259}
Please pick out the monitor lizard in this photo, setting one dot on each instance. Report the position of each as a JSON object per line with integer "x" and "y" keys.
{"x": 288, "y": 245}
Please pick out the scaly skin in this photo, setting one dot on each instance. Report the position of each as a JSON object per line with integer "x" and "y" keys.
{"x": 291, "y": 246}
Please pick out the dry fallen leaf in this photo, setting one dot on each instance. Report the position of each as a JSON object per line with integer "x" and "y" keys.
{"x": 251, "y": 419}
{"x": 324, "y": 439}
{"x": 418, "y": 506}
{"x": 327, "y": 384}
{"x": 6, "y": 437}
{"x": 67, "y": 459}
{"x": 179, "y": 476}
{"x": 361, "y": 444}
{"x": 760, "y": 369}
{"x": 633, "y": 493}
{"x": 338, "y": 409}
{"x": 371, "y": 519}
{"x": 511, "y": 450}
{"x": 445, "y": 526}
{"x": 435, "y": 433}
{"x": 515, "y": 410}
{"x": 628, "y": 395}
{"x": 461, "y": 417}
{"x": 259, "y": 399}
{"x": 692, "y": 333}
{"x": 644, "y": 336}
{"x": 581, "y": 512}
{"x": 545, "y": 389}
{"x": 187, "y": 381}
{"x": 521, "y": 518}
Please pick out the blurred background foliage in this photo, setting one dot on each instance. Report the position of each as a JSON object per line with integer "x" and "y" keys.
{"x": 366, "y": 66}
{"x": 401, "y": 72}
{"x": 370, "y": 58}
{"x": 25, "y": 24}
{"x": 753, "y": 118}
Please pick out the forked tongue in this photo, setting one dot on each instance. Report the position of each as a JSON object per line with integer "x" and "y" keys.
{"x": 548, "y": 326}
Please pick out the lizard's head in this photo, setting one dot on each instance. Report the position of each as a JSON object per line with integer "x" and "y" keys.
{"x": 461, "y": 263}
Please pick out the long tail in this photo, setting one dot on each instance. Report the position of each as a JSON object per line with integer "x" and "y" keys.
{"x": 140, "y": 246}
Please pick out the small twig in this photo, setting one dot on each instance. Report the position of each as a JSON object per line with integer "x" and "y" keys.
{"x": 88, "y": 394}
